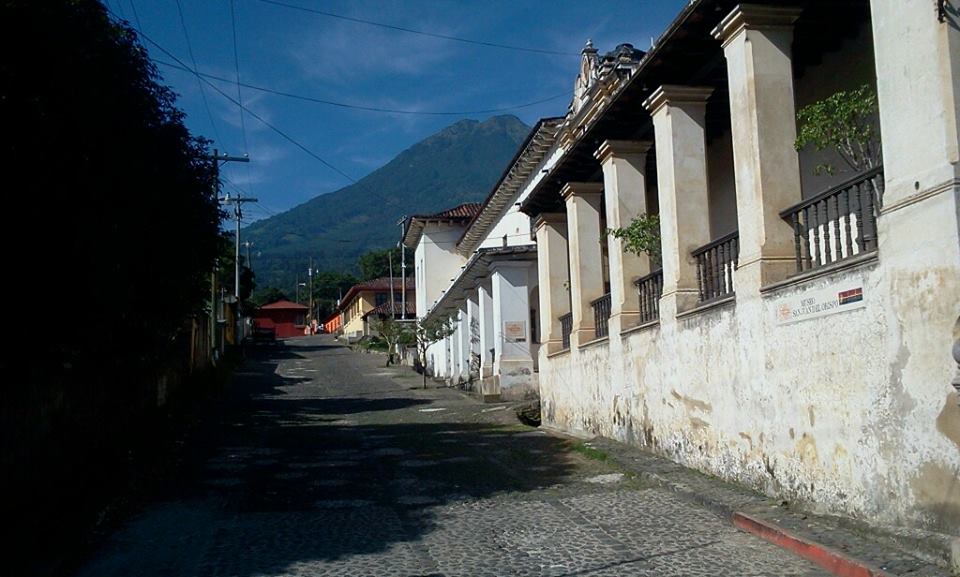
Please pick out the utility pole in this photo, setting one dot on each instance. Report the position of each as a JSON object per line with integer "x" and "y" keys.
{"x": 237, "y": 202}
{"x": 310, "y": 288}
{"x": 403, "y": 268}
{"x": 393, "y": 305}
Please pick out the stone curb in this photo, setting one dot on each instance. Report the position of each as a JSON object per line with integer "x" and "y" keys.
{"x": 833, "y": 561}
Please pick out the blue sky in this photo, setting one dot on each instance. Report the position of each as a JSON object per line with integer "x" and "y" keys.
{"x": 341, "y": 60}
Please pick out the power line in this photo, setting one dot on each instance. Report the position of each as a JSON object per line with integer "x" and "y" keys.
{"x": 136, "y": 16}
{"x": 203, "y": 93}
{"x": 236, "y": 67}
{"x": 362, "y": 107}
{"x": 421, "y": 32}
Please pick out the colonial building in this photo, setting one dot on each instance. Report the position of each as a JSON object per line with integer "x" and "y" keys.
{"x": 795, "y": 334}
{"x": 492, "y": 293}
{"x": 363, "y": 298}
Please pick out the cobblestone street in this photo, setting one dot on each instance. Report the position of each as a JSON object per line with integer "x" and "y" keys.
{"x": 322, "y": 462}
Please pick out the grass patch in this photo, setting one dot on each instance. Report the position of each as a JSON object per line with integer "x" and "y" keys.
{"x": 590, "y": 452}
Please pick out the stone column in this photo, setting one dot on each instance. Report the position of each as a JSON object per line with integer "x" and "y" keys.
{"x": 756, "y": 43}
{"x": 586, "y": 268}
{"x": 553, "y": 268}
{"x": 487, "y": 349}
{"x": 624, "y": 165}
{"x": 678, "y": 120}
{"x": 463, "y": 344}
{"x": 511, "y": 314}
{"x": 473, "y": 330}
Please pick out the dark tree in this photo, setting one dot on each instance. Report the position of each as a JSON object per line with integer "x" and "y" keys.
{"x": 112, "y": 224}
{"x": 376, "y": 263}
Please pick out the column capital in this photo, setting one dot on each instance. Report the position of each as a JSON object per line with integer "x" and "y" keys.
{"x": 549, "y": 218}
{"x": 753, "y": 17}
{"x": 670, "y": 94}
{"x": 611, "y": 148}
{"x": 581, "y": 189}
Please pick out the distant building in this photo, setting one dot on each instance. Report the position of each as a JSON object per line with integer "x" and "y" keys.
{"x": 287, "y": 319}
{"x": 364, "y": 297}
{"x": 333, "y": 323}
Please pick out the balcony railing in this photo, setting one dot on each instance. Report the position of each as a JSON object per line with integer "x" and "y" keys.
{"x": 566, "y": 327}
{"x": 716, "y": 262}
{"x": 649, "y": 289}
{"x": 838, "y": 223}
{"x": 601, "y": 315}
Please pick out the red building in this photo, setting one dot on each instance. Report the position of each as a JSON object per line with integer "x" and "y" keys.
{"x": 287, "y": 319}
{"x": 332, "y": 323}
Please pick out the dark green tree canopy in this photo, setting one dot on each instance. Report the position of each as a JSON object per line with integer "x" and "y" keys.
{"x": 94, "y": 146}
{"x": 376, "y": 263}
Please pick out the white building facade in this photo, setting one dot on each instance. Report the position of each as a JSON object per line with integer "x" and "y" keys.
{"x": 492, "y": 296}
{"x": 795, "y": 335}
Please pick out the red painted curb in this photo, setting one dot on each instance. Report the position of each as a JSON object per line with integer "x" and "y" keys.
{"x": 833, "y": 561}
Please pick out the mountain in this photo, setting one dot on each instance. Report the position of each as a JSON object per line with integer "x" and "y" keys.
{"x": 458, "y": 164}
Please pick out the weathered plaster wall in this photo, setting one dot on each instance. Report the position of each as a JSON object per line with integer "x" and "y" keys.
{"x": 830, "y": 418}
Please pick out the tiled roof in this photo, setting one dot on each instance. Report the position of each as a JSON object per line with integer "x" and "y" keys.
{"x": 465, "y": 210}
{"x": 282, "y": 305}
{"x": 384, "y": 309}
{"x": 459, "y": 214}
{"x": 378, "y": 284}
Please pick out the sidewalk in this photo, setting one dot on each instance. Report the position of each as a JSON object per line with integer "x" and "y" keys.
{"x": 842, "y": 546}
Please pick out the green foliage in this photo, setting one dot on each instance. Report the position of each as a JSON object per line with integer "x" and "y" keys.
{"x": 327, "y": 288}
{"x": 226, "y": 271}
{"x": 376, "y": 263}
{"x": 94, "y": 146}
{"x": 392, "y": 332}
{"x": 97, "y": 147}
{"x": 268, "y": 295}
{"x": 641, "y": 236}
{"x": 458, "y": 164}
{"x": 845, "y": 122}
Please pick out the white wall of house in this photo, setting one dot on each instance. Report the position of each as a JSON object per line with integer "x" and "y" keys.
{"x": 436, "y": 261}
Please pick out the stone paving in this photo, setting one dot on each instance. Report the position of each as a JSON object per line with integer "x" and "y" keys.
{"x": 322, "y": 462}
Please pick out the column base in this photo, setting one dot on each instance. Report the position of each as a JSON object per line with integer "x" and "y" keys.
{"x": 582, "y": 336}
{"x": 758, "y": 272}
{"x": 552, "y": 347}
{"x": 678, "y": 301}
{"x": 517, "y": 379}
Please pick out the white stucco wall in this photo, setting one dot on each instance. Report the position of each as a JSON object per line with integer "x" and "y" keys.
{"x": 825, "y": 420}
{"x": 437, "y": 262}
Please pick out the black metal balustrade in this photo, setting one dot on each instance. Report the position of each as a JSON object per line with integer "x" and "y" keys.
{"x": 601, "y": 315}
{"x": 566, "y": 327}
{"x": 716, "y": 262}
{"x": 838, "y": 223}
{"x": 650, "y": 289}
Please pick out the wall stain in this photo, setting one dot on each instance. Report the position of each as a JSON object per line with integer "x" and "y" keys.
{"x": 748, "y": 438}
{"x": 937, "y": 491}
{"x": 813, "y": 418}
{"x": 948, "y": 421}
{"x": 699, "y": 423}
{"x": 792, "y": 434}
{"x": 807, "y": 450}
{"x": 692, "y": 403}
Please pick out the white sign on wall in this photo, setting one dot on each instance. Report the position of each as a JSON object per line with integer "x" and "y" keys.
{"x": 820, "y": 303}
{"x": 514, "y": 331}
